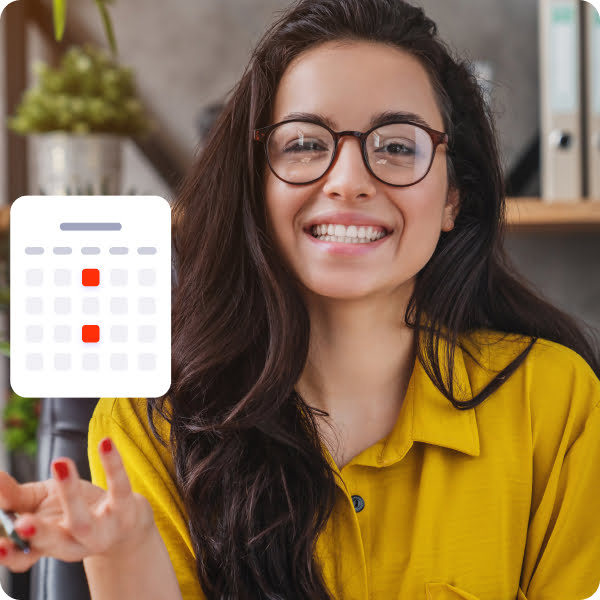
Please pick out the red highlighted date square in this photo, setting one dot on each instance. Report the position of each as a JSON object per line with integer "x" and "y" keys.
{"x": 90, "y": 334}
{"x": 90, "y": 277}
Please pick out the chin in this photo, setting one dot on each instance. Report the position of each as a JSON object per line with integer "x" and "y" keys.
{"x": 343, "y": 290}
{"x": 346, "y": 286}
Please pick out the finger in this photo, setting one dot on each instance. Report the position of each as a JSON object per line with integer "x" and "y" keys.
{"x": 20, "y": 498}
{"x": 28, "y": 527}
{"x": 77, "y": 517}
{"x": 14, "y": 558}
{"x": 49, "y": 540}
{"x": 119, "y": 487}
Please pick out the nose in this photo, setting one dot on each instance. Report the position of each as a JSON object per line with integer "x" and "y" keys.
{"x": 348, "y": 176}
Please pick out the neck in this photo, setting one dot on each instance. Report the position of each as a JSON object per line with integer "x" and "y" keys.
{"x": 360, "y": 358}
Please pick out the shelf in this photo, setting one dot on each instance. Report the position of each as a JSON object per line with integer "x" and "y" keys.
{"x": 535, "y": 214}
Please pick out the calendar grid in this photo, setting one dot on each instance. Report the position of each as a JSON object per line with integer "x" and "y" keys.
{"x": 92, "y": 296}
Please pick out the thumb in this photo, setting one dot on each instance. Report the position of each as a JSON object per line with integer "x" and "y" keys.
{"x": 17, "y": 497}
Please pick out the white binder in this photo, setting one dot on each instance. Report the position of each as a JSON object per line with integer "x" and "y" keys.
{"x": 560, "y": 91}
{"x": 592, "y": 103}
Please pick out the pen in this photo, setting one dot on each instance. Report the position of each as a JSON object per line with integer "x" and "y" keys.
{"x": 7, "y": 529}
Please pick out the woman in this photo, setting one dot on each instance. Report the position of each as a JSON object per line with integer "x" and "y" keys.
{"x": 366, "y": 401}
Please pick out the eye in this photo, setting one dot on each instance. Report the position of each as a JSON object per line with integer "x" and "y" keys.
{"x": 304, "y": 145}
{"x": 396, "y": 148}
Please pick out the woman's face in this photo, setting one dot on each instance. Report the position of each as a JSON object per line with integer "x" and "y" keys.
{"x": 350, "y": 84}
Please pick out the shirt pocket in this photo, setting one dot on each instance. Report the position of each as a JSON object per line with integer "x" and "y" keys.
{"x": 445, "y": 591}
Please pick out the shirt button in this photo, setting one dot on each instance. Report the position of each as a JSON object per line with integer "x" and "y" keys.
{"x": 358, "y": 503}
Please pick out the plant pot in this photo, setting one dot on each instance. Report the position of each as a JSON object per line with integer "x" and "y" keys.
{"x": 73, "y": 164}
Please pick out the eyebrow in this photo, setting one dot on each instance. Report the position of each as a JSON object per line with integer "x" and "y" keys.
{"x": 376, "y": 120}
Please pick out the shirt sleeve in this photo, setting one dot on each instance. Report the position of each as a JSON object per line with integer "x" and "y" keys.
{"x": 149, "y": 476}
{"x": 562, "y": 554}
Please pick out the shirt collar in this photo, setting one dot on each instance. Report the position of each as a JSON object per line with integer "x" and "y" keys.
{"x": 427, "y": 416}
{"x": 433, "y": 418}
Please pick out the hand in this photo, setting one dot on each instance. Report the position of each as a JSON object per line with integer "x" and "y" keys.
{"x": 69, "y": 518}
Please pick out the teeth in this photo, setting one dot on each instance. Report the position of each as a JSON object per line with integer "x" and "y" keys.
{"x": 347, "y": 240}
{"x": 352, "y": 233}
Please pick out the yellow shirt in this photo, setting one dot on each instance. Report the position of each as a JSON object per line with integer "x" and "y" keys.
{"x": 493, "y": 503}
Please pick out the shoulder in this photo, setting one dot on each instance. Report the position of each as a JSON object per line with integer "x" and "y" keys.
{"x": 494, "y": 350}
{"x": 128, "y": 413}
{"x": 564, "y": 391}
{"x": 125, "y": 420}
{"x": 553, "y": 358}
{"x": 554, "y": 388}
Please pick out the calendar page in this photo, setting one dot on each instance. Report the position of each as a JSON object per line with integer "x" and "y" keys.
{"x": 90, "y": 311}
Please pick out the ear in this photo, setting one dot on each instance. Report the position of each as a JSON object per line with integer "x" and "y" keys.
{"x": 451, "y": 209}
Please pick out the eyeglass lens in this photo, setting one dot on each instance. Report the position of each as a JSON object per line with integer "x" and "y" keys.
{"x": 397, "y": 153}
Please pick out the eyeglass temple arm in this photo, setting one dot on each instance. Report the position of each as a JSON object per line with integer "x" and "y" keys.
{"x": 260, "y": 134}
{"x": 441, "y": 138}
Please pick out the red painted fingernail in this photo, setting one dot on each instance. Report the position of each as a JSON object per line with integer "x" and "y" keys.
{"x": 3, "y": 552}
{"x": 26, "y": 531}
{"x": 61, "y": 469}
{"x": 106, "y": 445}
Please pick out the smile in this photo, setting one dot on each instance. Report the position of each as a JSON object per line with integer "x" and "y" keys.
{"x": 353, "y": 234}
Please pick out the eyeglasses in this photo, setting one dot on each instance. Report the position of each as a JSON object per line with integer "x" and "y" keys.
{"x": 395, "y": 153}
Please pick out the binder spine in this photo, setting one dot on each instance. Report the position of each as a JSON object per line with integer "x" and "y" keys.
{"x": 560, "y": 87}
{"x": 592, "y": 101}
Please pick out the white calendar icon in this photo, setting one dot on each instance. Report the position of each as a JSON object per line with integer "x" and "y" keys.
{"x": 90, "y": 311}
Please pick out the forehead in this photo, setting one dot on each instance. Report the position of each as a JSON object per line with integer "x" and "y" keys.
{"x": 349, "y": 82}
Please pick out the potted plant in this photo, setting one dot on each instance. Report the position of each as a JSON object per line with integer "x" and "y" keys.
{"x": 77, "y": 116}
{"x": 59, "y": 14}
{"x": 20, "y": 419}
{"x": 19, "y": 416}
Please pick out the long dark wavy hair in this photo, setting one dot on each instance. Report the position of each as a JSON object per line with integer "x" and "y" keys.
{"x": 249, "y": 464}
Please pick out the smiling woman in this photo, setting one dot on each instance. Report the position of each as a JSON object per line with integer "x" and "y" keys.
{"x": 392, "y": 177}
{"x": 367, "y": 400}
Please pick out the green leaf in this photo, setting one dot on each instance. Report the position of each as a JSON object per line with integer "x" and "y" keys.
{"x": 87, "y": 92}
{"x": 30, "y": 447}
{"x": 5, "y": 348}
{"x": 60, "y": 17}
{"x": 20, "y": 417}
{"x": 107, "y": 25}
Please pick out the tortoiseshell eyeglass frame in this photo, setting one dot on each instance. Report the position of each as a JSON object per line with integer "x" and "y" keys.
{"x": 264, "y": 133}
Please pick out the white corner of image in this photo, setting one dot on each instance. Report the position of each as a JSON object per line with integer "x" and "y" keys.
{"x": 596, "y": 5}
{"x": 596, "y": 596}
{"x": 3, "y": 5}
{"x": 4, "y": 595}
